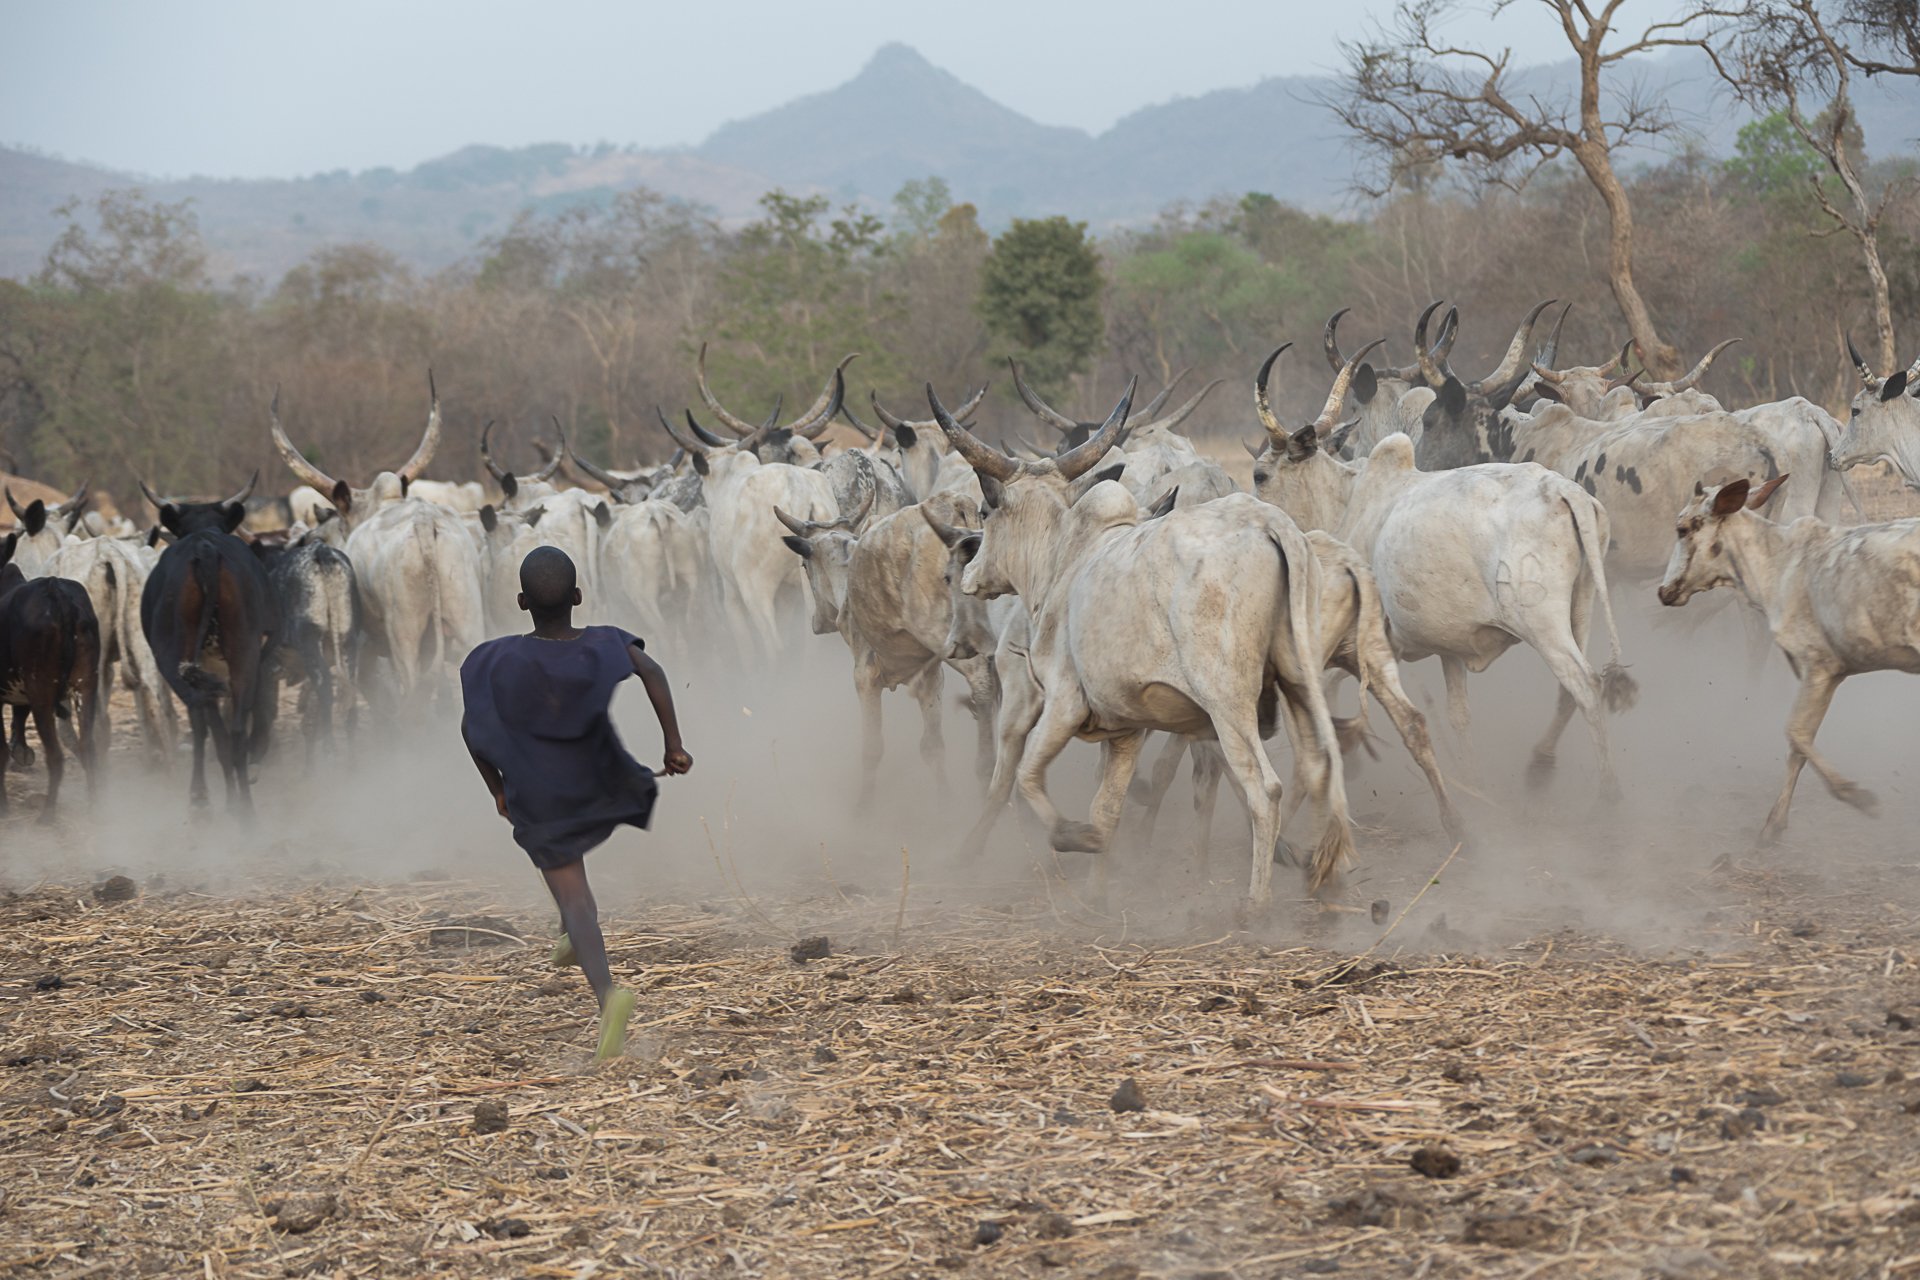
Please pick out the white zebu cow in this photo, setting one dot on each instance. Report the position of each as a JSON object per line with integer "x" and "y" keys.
{"x": 114, "y": 572}
{"x": 1184, "y": 624}
{"x": 1151, "y": 452}
{"x": 44, "y": 529}
{"x": 885, "y": 592}
{"x": 1884, "y": 425}
{"x": 466, "y": 499}
{"x": 1470, "y": 562}
{"x": 757, "y": 584}
{"x": 1839, "y": 602}
{"x": 518, "y": 492}
{"x": 417, "y": 566}
{"x": 655, "y": 564}
{"x": 1388, "y": 401}
{"x": 919, "y": 452}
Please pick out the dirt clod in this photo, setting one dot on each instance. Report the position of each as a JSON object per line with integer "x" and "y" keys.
{"x": 507, "y": 1228}
{"x": 116, "y": 889}
{"x": 806, "y": 949}
{"x": 49, "y": 982}
{"x": 1435, "y": 1162}
{"x": 1128, "y": 1097}
{"x": 1510, "y": 1230}
{"x": 1377, "y": 1207}
{"x": 301, "y": 1212}
{"x": 489, "y": 1117}
{"x": 987, "y": 1233}
{"x": 1053, "y": 1226}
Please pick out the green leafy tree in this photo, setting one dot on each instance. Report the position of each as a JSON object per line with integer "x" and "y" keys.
{"x": 1040, "y": 295}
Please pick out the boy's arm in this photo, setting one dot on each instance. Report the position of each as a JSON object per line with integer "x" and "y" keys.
{"x": 654, "y": 681}
{"x": 488, "y": 774}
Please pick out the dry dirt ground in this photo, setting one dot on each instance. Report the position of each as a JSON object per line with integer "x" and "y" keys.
{"x": 380, "y": 1080}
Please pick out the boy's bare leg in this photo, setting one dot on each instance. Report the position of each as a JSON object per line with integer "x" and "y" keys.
{"x": 581, "y": 918}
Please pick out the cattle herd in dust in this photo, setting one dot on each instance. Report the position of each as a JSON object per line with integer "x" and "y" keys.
{"x": 1108, "y": 587}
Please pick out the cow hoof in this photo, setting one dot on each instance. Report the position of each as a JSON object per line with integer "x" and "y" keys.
{"x": 1859, "y": 797}
{"x": 1540, "y": 770}
{"x": 1075, "y": 837}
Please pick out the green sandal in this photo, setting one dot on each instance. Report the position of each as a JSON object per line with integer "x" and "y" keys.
{"x": 563, "y": 956}
{"x": 613, "y": 1023}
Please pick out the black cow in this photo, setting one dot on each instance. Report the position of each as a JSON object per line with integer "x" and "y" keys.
{"x": 49, "y": 665}
{"x": 317, "y": 645}
{"x": 209, "y": 616}
{"x": 1464, "y": 425}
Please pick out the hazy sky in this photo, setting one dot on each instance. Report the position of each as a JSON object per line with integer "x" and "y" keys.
{"x": 256, "y": 88}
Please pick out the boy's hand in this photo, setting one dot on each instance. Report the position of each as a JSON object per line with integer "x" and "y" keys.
{"x": 678, "y": 761}
{"x": 500, "y": 804}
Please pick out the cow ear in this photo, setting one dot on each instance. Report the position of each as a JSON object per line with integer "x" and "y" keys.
{"x": 1303, "y": 444}
{"x": 342, "y": 497}
{"x": 968, "y": 547}
{"x": 602, "y": 516}
{"x": 1892, "y": 387}
{"x": 405, "y": 484}
{"x": 906, "y": 435}
{"x": 1547, "y": 391}
{"x": 991, "y": 490}
{"x": 700, "y": 465}
{"x": 1366, "y": 383}
{"x": 509, "y": 485}
{"x": 1731, "y": 497}
{"x": 232, "y": 516}
{"x": 799, "y": 546}
{"x": 1452, "y": 400}
{"x": 326, "y": 514}
{"x": 534, "y": 515}
{"x": 7, "y": 544}
{"x": 489, "y": 518}
{"x": 36, "y": 516}
{"x": 1110, "y": 473}
{"x": 1337, "y": 445}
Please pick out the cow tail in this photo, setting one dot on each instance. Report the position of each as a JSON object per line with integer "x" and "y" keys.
{"x": 1618, "y": 690}
{"x": 1369, "y": 619}
{"x": 1335, "y": 849}
{"x": 67, "y": 618}
{"x": 435, "y": 620}
{"x": 206, "y": 575}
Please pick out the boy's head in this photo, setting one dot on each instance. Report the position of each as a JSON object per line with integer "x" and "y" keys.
{"x": 548, "y": 584}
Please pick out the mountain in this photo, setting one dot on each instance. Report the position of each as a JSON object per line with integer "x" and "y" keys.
{"x": 898, "y": 119}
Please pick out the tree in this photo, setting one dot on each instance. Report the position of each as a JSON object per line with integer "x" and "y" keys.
{"x": 932, "y": 265}
{"x": 1883, "y": 29}
{"x": 1781, "y": 50}
{"x": 1413, "y": 99}
{"x": 1040, "y": 296}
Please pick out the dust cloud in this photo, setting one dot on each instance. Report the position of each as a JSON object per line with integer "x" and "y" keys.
{"x": 769, "y": 813}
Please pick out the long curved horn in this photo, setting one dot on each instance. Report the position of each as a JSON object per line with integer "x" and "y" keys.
{"x": 78, "y": 498}
{"x": 1549, "y": 354}
{"x": 592, "y": 472}
{"x": 982, "y": 457}
{"x": 1184, "y": 412}
{"x": 559, "y": 455}
{"x": 1329, "y": 344}
{"x": 1552, "y": 377}
{"x": 245, "y": 493}
{"x": 429, "y": 439}
{"x": 714, "y": 440}
{"x": 1685, "y": 382}
{"x": 740, "y": 427}
{"x": 1515, "y": 360}
{"x": 1159, "y": 402}
{"x": 893, "y": 422}
{"x": 1443, "y": 345}
{"x": 852, "y": 521}
{"x": 1867, "y": 378}
{"x": 1429, "y": 369}
{"x": 872, "y": 434}
{"x": 691, "y": 449}
{"x": 157, "y": 502}
{"x": 1262, "y": 405}
{"x": 811, "y": 428}
{"x": 1336, "y": 397}
{"x": 1041, "y": 409}
{"x": 835, "y": 389}
{"x": 1083, "y": 457}
{"x": 494, "y": 469}
{"x": 1619, "y": 361}
{"x": 947, "y": 533}
{"x": 306, "y": 471}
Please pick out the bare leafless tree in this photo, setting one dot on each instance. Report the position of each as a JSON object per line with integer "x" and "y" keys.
{"x": 1415, "y": 98}
{"x": 1781, "y": 52}
{"x": 1886, "y": 35}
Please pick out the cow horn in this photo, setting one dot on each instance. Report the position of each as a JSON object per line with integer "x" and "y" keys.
{"x": 1510, "y": 366}
{"x": 429, "y": 439}
{"x": 1041, "y": 409}
{"x": 78, "y": 498}
{"x": 1550, "y": 353}
{"x": 1443, "y": 345}
{"x": 887, "y": 418}
{"x": 155, "y": 500}
{"x": 13, "y": 504}
{"x": 853, "y": 521}
{"x": 1336, "y": 397}
{"x": 1184, "y": 412}
{"x": 714, "y": 440}
{"x": 1545, "y": 374}
{"x": 947, "y": 533}
{"x": 1867, "y": 377}
{"x": 1262, "y": 405}
{"x": 799, "y": 528}
{"x": 738, "y": 426}
{"x": 296, "y": 463}
{"x": 1423, "y": 355}
{"x": 872, "y": 434}
{"x": 1254, "y": 450}
{"x": 1330, "y": 344}
{"x": 1159, "y": 402}
{"x": 245, "y": 493}
{"x": 810, "y": 427}
{"x": 1082, "y": 458}
{"x": 553, "y": 463}
{"x": 486, "y": 456}
{"x": 1699, "y": 371}
{"x": 689, "y": 448}
{"x": 982, "y": 457}
{"x": 592, "y": 472}
{"x": 1619, "y": 361}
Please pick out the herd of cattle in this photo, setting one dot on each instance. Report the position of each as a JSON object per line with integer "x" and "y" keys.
{"x": 1110, "y": 587}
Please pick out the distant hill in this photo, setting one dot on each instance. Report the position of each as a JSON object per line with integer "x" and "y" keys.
{"x": 898, "y": 119}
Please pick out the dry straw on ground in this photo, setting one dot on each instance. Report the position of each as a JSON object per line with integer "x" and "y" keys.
{"x": 320, "y": 1084}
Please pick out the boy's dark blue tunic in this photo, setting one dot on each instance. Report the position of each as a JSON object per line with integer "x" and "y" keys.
{"x": 537, "y": 710}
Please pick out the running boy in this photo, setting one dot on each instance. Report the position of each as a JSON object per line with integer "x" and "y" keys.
{"x": 537, "y": 727}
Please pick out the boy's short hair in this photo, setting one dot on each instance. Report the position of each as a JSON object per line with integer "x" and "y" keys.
{"x": 548, "y": 578}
